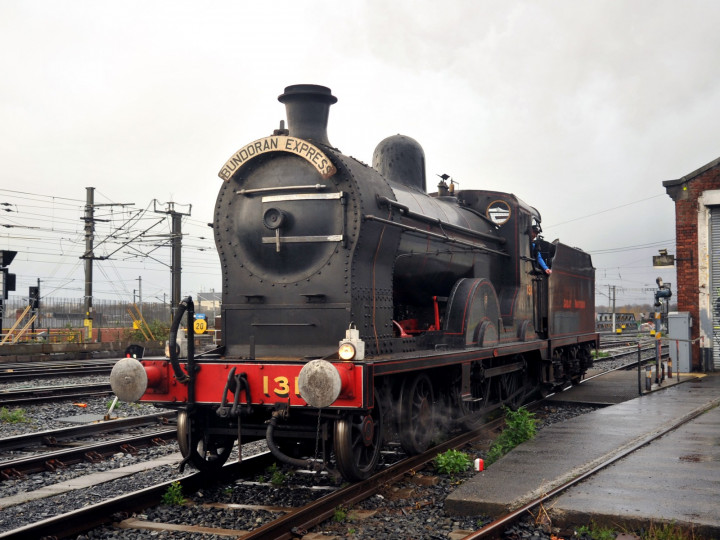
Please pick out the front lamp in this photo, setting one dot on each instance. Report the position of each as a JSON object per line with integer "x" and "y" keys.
{"x": 346, "y": 351}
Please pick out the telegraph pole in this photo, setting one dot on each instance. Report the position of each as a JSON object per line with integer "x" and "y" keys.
{"x": 176, "y": 244}
{"x": 89, "y": 256}
{"x": 176, "y": 270}
{"x": 140, "y": 294}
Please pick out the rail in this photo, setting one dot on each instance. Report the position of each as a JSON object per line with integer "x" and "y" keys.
{"x": 72, "y": 523}
{"x": 52, "y": 393}
{"x": 83, "y": 453}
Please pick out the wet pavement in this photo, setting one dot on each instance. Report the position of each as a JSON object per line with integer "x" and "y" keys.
{"x": 676, "y": 478}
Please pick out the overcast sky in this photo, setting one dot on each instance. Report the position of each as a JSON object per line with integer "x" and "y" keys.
{"x": 581, "y": 109}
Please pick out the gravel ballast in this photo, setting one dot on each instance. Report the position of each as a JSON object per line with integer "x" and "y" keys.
{"x": 413, "y": 509}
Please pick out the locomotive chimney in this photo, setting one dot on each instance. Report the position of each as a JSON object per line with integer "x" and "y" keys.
{"x": 308, "y": 107}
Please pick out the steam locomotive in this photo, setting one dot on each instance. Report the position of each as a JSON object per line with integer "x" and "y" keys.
{"x": 359, "y": 308}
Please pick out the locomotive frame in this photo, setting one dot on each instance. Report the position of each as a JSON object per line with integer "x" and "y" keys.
{"x": 358, "y": 308}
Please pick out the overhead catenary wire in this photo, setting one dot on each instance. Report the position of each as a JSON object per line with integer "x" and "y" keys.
{"x": 48, "y": 230}
{"x": 611, "y": 209}
{"x": 122, "y": 235}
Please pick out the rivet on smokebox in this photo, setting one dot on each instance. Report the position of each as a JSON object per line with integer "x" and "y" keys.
{"x": 479, "y": 464}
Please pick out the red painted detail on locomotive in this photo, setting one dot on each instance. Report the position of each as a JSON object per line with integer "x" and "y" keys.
{"x": 155, "y": 376}
{"x": 436, "y": 310}
{"x": 269, "y": 384}
{"x": 162, "y": 385}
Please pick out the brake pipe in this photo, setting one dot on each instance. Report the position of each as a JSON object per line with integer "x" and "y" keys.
{"x": 180, "y": 375}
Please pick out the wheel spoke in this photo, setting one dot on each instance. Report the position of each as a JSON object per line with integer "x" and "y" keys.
{"x": 356, "y": 454}
{"x": 417, "y": 416}
{"x": 510, "y": 388}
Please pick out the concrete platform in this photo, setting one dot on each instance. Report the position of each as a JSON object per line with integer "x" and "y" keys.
{"x": 614, "y": 387}
{"x": 674, "y": 479}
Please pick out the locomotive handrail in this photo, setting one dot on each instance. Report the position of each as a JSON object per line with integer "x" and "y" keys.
{"x": 404, "y": 210}
{"x": 443, "y": 237}
{"x": 316, "y": 187}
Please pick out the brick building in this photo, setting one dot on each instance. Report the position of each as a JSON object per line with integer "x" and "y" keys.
{"x": 697, "y": 231}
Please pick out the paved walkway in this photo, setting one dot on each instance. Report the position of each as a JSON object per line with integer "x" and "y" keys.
{"x": 674, "y": 479}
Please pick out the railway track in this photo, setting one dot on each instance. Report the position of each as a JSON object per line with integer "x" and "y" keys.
{"x": 17, "y": 371}
{"x": 38, "y": 394}
{"x": 95, "y": 515}
{"x": 290, "y": 521}
{"x": 61, "y": 436}
{"x": 630, "y": 352}
{"x": 46, "y": 456}
{"x": 312, "y": 514}
{"x": 96, "y": 452}
{"x": 293, "y": 519}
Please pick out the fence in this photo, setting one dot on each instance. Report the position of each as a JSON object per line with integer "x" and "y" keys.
{"x": 58, "y": 313}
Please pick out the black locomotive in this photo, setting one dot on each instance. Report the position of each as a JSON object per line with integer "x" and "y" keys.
{"x": 358, "y": 307}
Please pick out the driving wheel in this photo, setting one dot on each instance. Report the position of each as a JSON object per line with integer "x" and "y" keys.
{"x": 206, "y": 452}
{"x": 511, "y": 387}
{"x": 417, "y": 414}
{"x": 358, "y": 439}
{"x": 472, "y": 408}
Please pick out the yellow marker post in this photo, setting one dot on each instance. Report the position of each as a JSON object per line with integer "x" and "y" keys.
{"x": 88, "y": 324}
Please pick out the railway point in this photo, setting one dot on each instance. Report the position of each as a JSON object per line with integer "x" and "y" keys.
{"x": 674, "y": 479}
